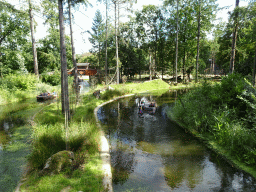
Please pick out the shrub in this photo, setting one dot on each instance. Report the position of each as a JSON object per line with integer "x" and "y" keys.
{"x": 45, "y": 147}
{"x": 53, "y": 79}
{"x": 226, "y": 111}
{"x": 18, "y": 81}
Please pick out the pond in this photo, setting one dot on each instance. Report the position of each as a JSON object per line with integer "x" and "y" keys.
{"x": 151, "y": 153}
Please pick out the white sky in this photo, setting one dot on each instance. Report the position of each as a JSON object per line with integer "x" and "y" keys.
{"x": 84, "y": 17}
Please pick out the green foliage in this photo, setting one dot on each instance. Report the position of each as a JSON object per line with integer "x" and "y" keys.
{"x": 14, "y": 26}
{"x": 245, "y": 42}
{"x": 52, "y": 79}
{"x": 226, "y": 111}
{"x": 97, "y": 36}
{"x": 92, "y": 59}
{"x": 18, "y": 82}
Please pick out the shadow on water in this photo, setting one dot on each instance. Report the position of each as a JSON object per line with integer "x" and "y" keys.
{"x": 154, "y": 154}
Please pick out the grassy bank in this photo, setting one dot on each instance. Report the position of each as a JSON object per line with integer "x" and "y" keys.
{"x": 223, "y": 115}
{"x": 20, "y": 87}
{"x": 49, "y": 137}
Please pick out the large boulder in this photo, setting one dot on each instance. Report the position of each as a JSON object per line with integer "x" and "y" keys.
{"x": 58, "y": 162}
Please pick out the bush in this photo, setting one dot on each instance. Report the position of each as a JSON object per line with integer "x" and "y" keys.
{"x": 226, "y": 111}
{"x": 18, "y": 82}
{"x": 45, "y": 147}
{"x": 53, "y": 79}
{"x": 194, "y": 108}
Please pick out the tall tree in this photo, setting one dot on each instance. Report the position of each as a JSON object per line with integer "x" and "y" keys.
{"x": 149, "y": 21}
{"x": 116, "y": 4}
{"x": 116, "y": 34}
{"x": 177, "y": 35}
{"x": 97, "y": 35}
{"x": 106, "y": 39}
{"x": 33, "y": 40}
{"x": 234, "y": 36}
{"x": 106, "y": 42}
{"x": 64, "y": 77}
{"x": 73, "y": 51}
{"x": 198, "y": 37}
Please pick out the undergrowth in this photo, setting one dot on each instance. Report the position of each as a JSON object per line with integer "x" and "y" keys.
{"x": 225, "y": 111}
{"x": 20, "y": 87}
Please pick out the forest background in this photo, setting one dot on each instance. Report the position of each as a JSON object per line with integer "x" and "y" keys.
{"x": 150, "y": 32}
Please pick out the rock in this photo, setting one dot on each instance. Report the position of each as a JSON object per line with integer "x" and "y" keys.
{"x": 59, "y": 161}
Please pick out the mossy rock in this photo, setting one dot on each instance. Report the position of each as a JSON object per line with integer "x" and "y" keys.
{"x": 58, "y": 162}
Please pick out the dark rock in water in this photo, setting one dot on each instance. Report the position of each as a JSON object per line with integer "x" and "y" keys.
{"x": 58, "y": 162}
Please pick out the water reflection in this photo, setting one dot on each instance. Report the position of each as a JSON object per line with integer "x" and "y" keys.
{"x": 5, "y": 132}
{"x": 153, "y": 154}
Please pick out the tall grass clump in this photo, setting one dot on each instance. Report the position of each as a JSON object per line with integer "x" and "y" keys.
{"x": 50, "y": 139}
{"x": 224, "y": 113}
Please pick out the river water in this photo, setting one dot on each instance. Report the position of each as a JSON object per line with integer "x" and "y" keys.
{"x": 14, "y": 147}
{"x": 151, "y": 153}
{"x": 15, "y": 141}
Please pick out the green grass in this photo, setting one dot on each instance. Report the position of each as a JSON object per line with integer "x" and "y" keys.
{"x": 86, "y": 179}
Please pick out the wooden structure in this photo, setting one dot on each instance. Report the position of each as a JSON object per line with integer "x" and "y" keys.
{"x": 83, "y": 69}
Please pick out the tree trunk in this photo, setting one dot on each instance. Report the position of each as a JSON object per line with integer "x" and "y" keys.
{"x": 254, "y": 65}
{"x": 106, "y": 59}
{"x": 99, "y": 56}
{"x": 64, "y": 80}
{"x": 198, "y": 39}
{"x": 156, "y": 48}
{"x": 184, "y": 41}
{"x": 73, "y": 52}
{"x": 234, "y": 35}
{"x": 150, "y": 66}
{"x": 177, "y": 36}
{"x": 184, "y": 62}
{"x": 33, "y": 40}
{"x": 117, "y": 67}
